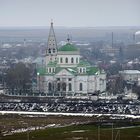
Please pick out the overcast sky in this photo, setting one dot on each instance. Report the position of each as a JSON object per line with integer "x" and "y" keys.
{"x": 70, "y": 12}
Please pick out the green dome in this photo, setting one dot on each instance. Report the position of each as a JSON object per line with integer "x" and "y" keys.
{"x": 68, "y": 47}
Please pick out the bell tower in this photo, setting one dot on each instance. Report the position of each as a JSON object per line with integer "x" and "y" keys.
{"x": 51, "y": 52}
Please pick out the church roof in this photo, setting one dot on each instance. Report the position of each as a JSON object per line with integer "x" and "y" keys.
{"x": 92, "y": 70}
{"x": 51, "y": 38}
{"x": 83, "y": 63}
{"x": 73, "y": 70}
{"x": 52, "y": 64}
{"x": 41, "y": 71}
{"x": 68, "y": 47}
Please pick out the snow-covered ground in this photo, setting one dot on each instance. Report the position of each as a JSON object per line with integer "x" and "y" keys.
{"x": 69, "y": 114}
{"x": 80, "y": 106}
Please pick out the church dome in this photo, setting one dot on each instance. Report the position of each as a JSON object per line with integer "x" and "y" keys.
{"x": 68, "y": 47}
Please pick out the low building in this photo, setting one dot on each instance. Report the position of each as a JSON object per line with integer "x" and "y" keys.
{"x": 130, "y": 75}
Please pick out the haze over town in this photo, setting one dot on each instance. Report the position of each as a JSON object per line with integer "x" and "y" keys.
{"x": 69, "y": 69}
{"x": 72, "y": 13}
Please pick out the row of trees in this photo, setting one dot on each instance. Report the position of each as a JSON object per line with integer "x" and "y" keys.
{"x": 19, "y": 78}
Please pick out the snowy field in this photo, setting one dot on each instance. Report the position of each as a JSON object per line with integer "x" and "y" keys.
{"x": 70, "y": 114}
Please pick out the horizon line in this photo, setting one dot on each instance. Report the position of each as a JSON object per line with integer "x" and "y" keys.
{"x": 44, "y": 26}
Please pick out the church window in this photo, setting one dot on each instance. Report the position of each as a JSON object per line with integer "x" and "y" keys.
{"x": 53, "y": 69}
{"x": 58, "y": 86}
{"x": 69, "y": 79}
{"x": 49, "y": 86}
{"x": 81, "y": 87}
{"x": 58, "y": 79}
{"x": 50, "y": 70}
{"x": 77, "y": 60}
{"x": 70, "y": 87}
{"x": 53, "y": 50}
{"x": 64, "y": 86}
{"x": 61, "y": 60}
{"x": 66, "y": 60}
{"x": 72, "y": 60}
{"x": 80, "y": 70}
{"x": 49, "y": 50}
{"x": 84, "y": 70}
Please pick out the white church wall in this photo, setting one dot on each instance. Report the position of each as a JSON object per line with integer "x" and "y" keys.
{"x": 102, "y": 82}
{"x": 46, "y": 82}
{"x": 81, "y": 79}
{"x": 91, "y": 84}
{"x": 69, "y": 63}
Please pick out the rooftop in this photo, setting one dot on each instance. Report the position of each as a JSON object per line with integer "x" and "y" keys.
{"x": 52, "y": 64}
{"x": 92, "y": 70}
{"x": 130, "y": 71}
{"x": 83, "y": 63}
{"x": 41, "y": 71}
{"x": 68, "y": 47}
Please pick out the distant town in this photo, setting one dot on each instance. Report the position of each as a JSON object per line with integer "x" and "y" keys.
{"x": 53, "y": 80}
{"x": 27, "y": 61}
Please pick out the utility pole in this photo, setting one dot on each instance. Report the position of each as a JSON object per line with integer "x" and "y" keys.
{"x": 27, "y": 126}
{"x": 38, "y": 74}
{"x": 112, "y": 131}
{"x": 99, "y": 132}
{"x": 117, "y": 135}
{"x": 112, "y": 40}
{"x": 27, "y": 132}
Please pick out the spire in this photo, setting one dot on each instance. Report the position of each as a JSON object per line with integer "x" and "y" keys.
{"x": 52, "y": 39}
{"x": 51, "y": 22}
{"x": 68, "y": 39}
{"x": 51, "y": 51}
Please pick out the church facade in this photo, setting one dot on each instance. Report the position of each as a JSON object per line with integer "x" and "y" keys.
{"x": 65, "y": 73}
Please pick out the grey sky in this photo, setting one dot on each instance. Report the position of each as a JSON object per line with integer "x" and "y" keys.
{"x": 70, "y": 12}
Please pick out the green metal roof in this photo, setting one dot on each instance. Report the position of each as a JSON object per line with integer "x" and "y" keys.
{"x": 83, "y": 63}
{"x": 52, "y": 64}
{"x": 68, "y": 47}
{"x": 72, "y": 70}
{"x": 41, "y": 71}
{"x": 92, "y": 70}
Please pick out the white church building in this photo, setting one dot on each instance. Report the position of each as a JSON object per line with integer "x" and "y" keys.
{"x": 65, "y": 73}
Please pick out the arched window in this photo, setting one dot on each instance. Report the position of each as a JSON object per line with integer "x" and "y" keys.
{"x": 72, "y": 60}
{"x": 61, "y": 60}
{"x": 53, "y": 69}
{"x": 77, "y": 60}
{"x": 49, "y": 86}
{"x": 64, "y": 86}
{"x": 81, "y": 87}
{"x": 49, "y": 50}
{"x": 50, "y": 70}
{"x": 58, "y": 86}
{"x": 70, "y": 87}
{"x": 80, "y": 70}
{"x": 53, "y": 50}
{"x": 66, "y": 60}
{"x": 84, "y": 70}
